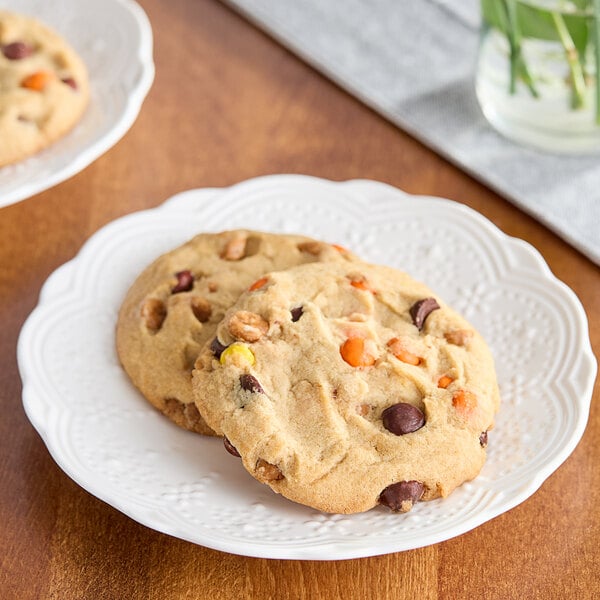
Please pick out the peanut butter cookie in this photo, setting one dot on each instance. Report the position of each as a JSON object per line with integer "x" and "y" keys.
{"x": 44, "y": 87}
{"x": 175, "y": 305}
{"x": 347, "y": 385}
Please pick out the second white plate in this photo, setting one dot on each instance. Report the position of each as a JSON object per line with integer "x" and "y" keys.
{"x": 114, "y": 38}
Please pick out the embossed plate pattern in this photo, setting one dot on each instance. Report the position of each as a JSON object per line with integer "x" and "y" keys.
{"x": 108, "y": 438}
{"x": 114, "y": 38}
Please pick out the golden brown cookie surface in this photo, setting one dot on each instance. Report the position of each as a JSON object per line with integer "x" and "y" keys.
{"x": 350, "y": 385}
{"x": 175, "y": 305}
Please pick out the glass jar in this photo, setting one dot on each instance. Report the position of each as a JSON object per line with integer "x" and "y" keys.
{"x": 537, "y": 68}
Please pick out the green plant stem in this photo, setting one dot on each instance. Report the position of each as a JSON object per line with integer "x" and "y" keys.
{"x": 518, "y": 66}
{"x": 513, "y": 42}
{"x": 577, "y": 75}
{"x": 596, "y": 19}
{"x": 527, "y": 78}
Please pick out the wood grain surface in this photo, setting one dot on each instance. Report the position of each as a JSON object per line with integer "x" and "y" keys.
{"x": 229, "y": 103}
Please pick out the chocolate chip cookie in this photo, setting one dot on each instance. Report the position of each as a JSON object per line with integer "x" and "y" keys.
{"x": 175, "y": 305}
{"x": 347, "y": 385}
{"x": 44, "y": 87}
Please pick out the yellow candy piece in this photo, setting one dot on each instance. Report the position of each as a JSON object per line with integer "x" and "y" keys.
{"x": 237, "y": 354}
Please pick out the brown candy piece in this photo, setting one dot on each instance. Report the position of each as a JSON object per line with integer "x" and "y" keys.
{"x": 230, "y": 447}
{"x": 17, "y": 50}
{"x": 201, "y": 308}
{"x": 265, "y": 471}
{"x": 421, "y": 309}
{"x": 217, "y": 348}
{"x": 296, "y": 313}
{"x": 153, "y": 313}
{"x": 402, "y": 418}
{"x": 401, "y": 496}
{"x": 251, "y": 384}
{"x": 185, "y": 282}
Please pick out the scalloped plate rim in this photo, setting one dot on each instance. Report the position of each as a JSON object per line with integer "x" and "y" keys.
{"x": 313, "y": 549}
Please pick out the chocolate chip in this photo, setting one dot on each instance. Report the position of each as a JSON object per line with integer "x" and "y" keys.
{"x": 402, "y": 418}
{"x": 401, "y": 496}
{"x": 250, "y": 384}
{"x": 185, "y": 281}
{"x": 297, "y": 313}
{"x": 230, "y": 447}
{"x": 421, "y": 309}
{"x": 483, "y": 439}
{"x": 17, "y": 51}
{"x": 217, "y": 348}
{"x": 70, "y": 82}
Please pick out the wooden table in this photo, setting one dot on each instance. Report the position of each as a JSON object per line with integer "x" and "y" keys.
{"x": 229, "y": 103}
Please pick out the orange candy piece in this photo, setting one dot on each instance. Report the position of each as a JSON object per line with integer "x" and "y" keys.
{"x": 360, "y": 283}
{"x": 401, "y": 353}
{"x": 444, "y": 381}
{"x": 258, "y": 284}
{"x": 37, "y": 81}
{"x": 353, "y": 351}
{"x": 464, "y": 402}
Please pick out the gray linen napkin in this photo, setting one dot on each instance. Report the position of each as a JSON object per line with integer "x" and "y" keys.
{"x": 413, "y": 61}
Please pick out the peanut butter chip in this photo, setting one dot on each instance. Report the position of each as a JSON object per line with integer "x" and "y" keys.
{"x": 267, "y": 472}
{"x": 311, "y": 247}
{"x": 247, "y": 326}
{"x": 459, "y": 337}
{"x": 201, "y": 308}
{"x": 235, "y": 249}
{"x": 153, "y": 313}
{"x": 363, "y": 410}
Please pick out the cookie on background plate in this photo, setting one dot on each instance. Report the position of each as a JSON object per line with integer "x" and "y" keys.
{"x": 357, "y": 387}
{"x": 174, "y": 306}
{"x": 44, "y": 87}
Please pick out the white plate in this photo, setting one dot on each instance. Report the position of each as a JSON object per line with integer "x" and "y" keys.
{"x": 114, "y": 38}
{"x": 109, "y": 440}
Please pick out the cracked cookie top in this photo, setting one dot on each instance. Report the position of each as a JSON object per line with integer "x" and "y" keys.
{"x": 44, "y": 87}
{"x": 347, "y": 385}
{"x": 174, "y": 306}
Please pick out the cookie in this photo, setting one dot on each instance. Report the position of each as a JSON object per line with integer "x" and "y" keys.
{"x": 44, "y": 87}
{"x": 175, "y": 305}
{"x": 359, "y": 387}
